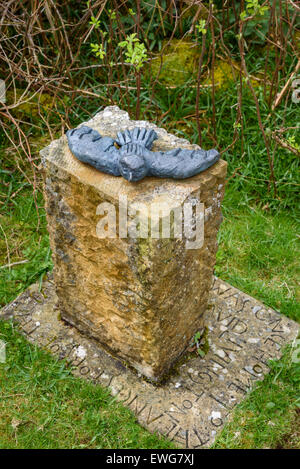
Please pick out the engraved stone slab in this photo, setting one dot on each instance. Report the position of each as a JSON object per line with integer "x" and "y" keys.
{"x": 192, "y": 406}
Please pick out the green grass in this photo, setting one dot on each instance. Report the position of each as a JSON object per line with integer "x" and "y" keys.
{"x": 259, "y": 253}
{"x": 43, "y": 406}
{"x": 23, "y": 233}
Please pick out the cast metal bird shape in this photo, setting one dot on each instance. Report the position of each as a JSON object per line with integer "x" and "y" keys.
{"x": 134, "y": 159}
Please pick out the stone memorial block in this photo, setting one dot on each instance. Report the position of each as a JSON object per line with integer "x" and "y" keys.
{"x": 140, "y": 295}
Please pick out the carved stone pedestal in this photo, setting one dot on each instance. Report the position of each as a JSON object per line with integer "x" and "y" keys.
{"x": 142, "y": 297}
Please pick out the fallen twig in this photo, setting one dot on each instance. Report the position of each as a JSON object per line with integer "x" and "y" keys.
{"x": 13, "y": 264}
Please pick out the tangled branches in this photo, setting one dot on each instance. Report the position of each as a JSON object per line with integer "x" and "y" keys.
{"x": 49, "y": 68}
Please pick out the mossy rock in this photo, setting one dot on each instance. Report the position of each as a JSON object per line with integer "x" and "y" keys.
{"x": 179, "y": 63}
{"x": 35, "y": 103}
{"x": 224, "y": 74}
{"x": 189, "y": 10}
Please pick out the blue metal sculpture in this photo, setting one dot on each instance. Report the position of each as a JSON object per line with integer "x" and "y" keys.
{"x": 130, "y": 155}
